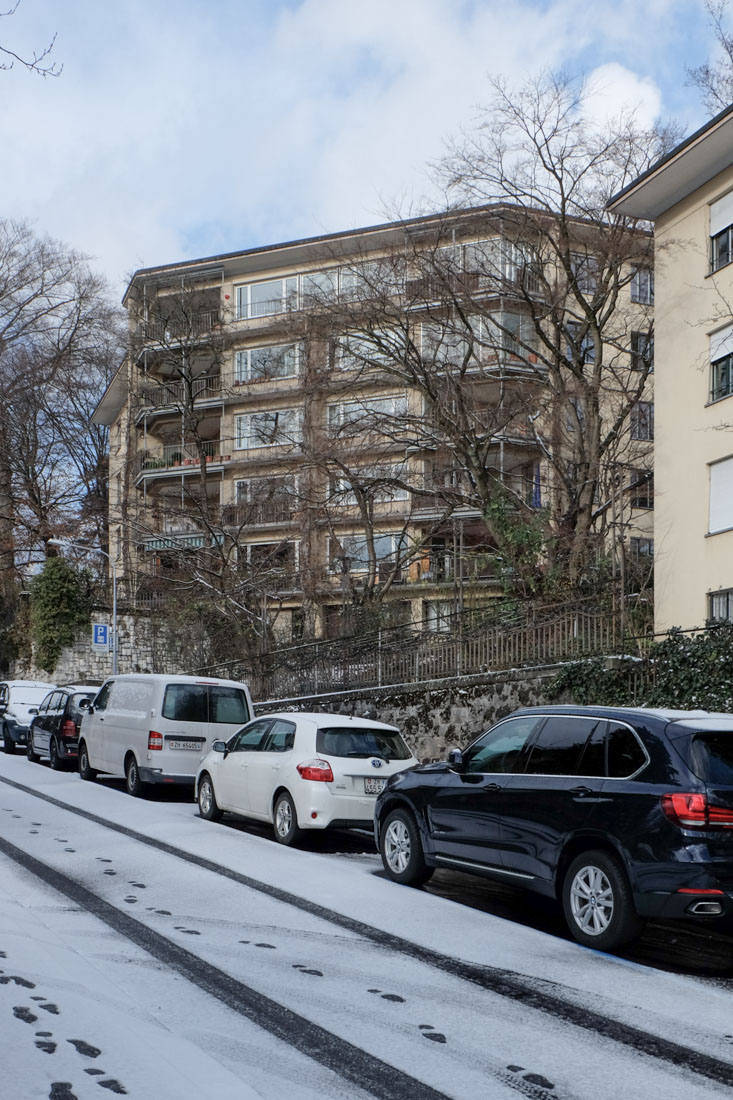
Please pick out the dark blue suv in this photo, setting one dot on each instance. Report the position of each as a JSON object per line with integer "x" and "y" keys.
{"x": 621, "y": 814}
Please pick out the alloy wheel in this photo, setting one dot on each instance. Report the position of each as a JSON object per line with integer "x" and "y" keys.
{"x": 591, "y": 900}
{"x": 283, "y": 817}
{"x": 397, "y": 846}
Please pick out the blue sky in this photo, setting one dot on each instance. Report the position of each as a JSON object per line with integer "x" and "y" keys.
{"x": 182, "y": 128}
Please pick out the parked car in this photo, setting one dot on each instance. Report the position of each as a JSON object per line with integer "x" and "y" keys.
{"x": 154, "y": 728}
{"x": 54, "y": 731}
{"x": 620, "y": 814}
{"x": 19, "y": 701}
{"x": 302, "y": 772}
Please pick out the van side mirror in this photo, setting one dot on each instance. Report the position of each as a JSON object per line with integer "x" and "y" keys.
{"x": 90, "y": 707}
{"x": 219, "y": 746}
{"x": 85, "y": 704}
{"x": 33, "y": 710}
{"x": 455, "y": 759}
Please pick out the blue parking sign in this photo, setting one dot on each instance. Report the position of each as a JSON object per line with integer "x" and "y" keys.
{"x": 100, "y": 637}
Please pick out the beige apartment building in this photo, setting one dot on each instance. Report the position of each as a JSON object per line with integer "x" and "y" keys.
{"x": 689, "y": 196}
{"x": 315, "y": 427}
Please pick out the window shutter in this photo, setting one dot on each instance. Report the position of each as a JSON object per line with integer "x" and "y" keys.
{"x": 721, "y": 496}
{"x": 721, "y": 214}
{"x": 721, "y": 343}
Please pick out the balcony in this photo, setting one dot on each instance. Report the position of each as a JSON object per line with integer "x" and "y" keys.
{"x": 258, "y": 512}
{"x": 179, "y": 394}
{"x": 177, "y": 330}
{"x": 183, "y": 456}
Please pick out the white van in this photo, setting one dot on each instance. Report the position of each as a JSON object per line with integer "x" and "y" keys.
{"x": 155, "y": 728}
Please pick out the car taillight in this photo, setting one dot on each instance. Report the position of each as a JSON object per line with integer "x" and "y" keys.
{"x": 693, "y": 811}
{"x": 320, "y": 770}
{"x": 68, "y": 729}
{"x": 155, "y": 740}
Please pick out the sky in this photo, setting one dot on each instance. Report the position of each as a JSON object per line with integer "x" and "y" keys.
{"x": 186, "y": 129}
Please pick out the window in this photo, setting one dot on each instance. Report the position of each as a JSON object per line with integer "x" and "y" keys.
{"x": 641, "y": 351}
{"x": 642, "y": 286}
{"x": 721, "y": 496}
{"x": 273, "y": 361}
{"x": 500, "y": 749}
{"x": 266, "y": 499}
{"x": 721, "y": 232}
{"x": 354, "y": 417}
{"x": 185, "y": 703}
{"x": 585, "y": 271}
{"x": 351, "y": 741}
{"x": 266, "y": 299}
{"x": 721, "y": 363}
{"x": 641, "y": 488}
{"x": 559, "y": 746}
{"x": 625, "y": 754}
{"x": 281, "y": 737}
{"x": 720, "y": 605}
{"x": 101, "y": 700}
{"x": 641, "y": 548}
{"x": 250, "y": 738}
{"x": 580, "y": 348}
{"x": 377, "y": 482}
{"x": 359, "y": 350}
{"x": 439, "y": 616}
{"x": 350, "y": 553}
{"x": 277, "y": 428}
{"x": 642, "y": 421}
{"x": 441, "y": 344}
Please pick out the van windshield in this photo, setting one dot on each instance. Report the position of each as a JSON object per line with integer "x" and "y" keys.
{"x": 205, "y": 703}
{"x": 350, "y": 741}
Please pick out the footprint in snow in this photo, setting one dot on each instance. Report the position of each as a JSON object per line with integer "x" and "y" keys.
{"x": 46, "y": 1045}
{"x": 61, "y": 1090}
{"x": 24, "y": 1014}
{"x": 138, "y": 885}
{"x": 7, "y": 978}
{"x": 388, "y": 996}
{"x": 113, "y": 1086}
{"x": 109, "y": 872}
{"x": 429, "y": 1032}
{"x": 163, "y": 912}
{"x": 69, "y": 849}
{"x": 270, "y": 945}
{"x": 532, "y": 1078}
{"x": 101, "y": 859}
{"x": 131, "y": 900}
{"x": 304, "y": 970}
{"x": 94, "y": 1072}
{"x": 188, "y": 931}
{"x": 82, "y": 1047}
{"x": 53, "y": 1009}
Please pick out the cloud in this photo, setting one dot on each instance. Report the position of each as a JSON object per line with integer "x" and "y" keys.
{"x": 185, "y": 130}
{"x": 615, "y": 91}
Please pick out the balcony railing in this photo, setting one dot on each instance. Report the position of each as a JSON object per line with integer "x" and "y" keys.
{"x": 273, "y": 510}
{"x": 184, "y": 454}
{"x": 181, "y": 393}
{"x": 179, "y": 328}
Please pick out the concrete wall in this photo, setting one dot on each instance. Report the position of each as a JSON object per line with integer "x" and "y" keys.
{"x": 437, "y": 715}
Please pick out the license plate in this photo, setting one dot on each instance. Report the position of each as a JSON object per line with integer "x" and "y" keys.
{"x": 185, "y": 745}
{"x": 374, "y": 786}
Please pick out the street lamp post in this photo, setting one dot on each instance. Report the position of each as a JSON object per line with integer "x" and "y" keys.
{"x": 96, "y": 550}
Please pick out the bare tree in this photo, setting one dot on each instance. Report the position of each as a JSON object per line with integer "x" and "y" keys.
{"x": 714, "y": 78}
{"x": 38, "y": 62}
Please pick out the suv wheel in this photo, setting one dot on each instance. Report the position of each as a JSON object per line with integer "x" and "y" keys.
{"x": 402, "y": 851}
{"x": 8, "y": 743}
{"x": 133, "y": 782}
{"x": 32, "y": 756}
{"x": 286, "y": 821}
{"x": 86, "y": 771}
{"x": 208, "y": 807}
{"x": 597, "y": 901}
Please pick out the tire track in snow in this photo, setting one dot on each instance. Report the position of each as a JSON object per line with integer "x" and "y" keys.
{"x": 503, "y": 983}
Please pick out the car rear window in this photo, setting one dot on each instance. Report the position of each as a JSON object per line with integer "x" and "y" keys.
{"x": 205, "y": 703}
{"x": 710, "y": 755}
{"x": 351, "y": 741}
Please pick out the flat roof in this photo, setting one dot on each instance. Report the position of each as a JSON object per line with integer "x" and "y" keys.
{"x": 690, "y": 165}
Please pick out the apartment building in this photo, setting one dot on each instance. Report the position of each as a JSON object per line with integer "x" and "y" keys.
{"x": 330, "y": 426}
{"x": 689, "y": 196}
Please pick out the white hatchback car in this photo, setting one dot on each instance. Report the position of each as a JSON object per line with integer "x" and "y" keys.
{"x": 302, "y": 771}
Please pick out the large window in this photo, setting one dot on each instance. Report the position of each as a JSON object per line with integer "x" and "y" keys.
{"x": 265, "y": 299}
{"x": 581, "y": 347}
{"x": 377, "y": 482}
{"x": 350, "y": 553}
{"x": 642, "y": 421}
{"x": 276, "y": 428}
{"x": 641, "y": 548}
{"x": 721, "y": 363}
{"x": 260, "y": 364}
{"x": 641, "y": 488}
{"x": 362, "y": 350}
{"x": 352, "y": 417}
{"x": 266, "y": 499}
{"x": 721, "y": 232}
{"x": 642, "y": 286}
{"x": 721, "y": 496}
{"x": 585, "y": 271}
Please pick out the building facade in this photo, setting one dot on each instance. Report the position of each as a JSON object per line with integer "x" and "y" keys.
{"x": 689, "y": 197}
{"x": 359, "y": 424}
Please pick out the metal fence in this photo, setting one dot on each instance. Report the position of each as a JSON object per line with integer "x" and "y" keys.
{"x": 408, "y": 655}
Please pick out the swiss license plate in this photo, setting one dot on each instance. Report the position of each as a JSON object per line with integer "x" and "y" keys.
{"x": 185, "y": 745}
{"x": 373, "y": 786}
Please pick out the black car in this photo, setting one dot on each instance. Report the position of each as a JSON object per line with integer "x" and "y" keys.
{"x": 54, "y": 730}
{"x": 621, "y": 814}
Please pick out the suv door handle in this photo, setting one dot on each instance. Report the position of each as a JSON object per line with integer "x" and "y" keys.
{"x": 492, "y": 787}
{"x": 581, "y": 791}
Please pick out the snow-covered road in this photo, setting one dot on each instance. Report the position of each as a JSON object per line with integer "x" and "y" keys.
{"x": 146, "y": 950}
